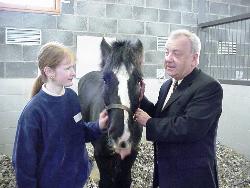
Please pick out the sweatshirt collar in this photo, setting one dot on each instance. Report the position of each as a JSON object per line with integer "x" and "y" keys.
{"x": 52, "y": 94}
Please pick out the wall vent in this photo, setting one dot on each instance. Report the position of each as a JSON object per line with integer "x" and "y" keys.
{"x": 161, "y": 41}
{"x": 23, "y": 36}
{"x": 226, "y": 48}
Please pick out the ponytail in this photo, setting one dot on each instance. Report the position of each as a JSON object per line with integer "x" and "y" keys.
{"x": 37, "y": 85}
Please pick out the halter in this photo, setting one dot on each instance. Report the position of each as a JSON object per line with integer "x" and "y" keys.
{"x": 118, "y": 106}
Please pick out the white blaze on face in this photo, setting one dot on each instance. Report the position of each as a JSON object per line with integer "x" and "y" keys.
{"x": 123, "y": 76}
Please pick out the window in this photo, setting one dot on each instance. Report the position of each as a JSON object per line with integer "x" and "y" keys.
{"x": 43, "y": 6}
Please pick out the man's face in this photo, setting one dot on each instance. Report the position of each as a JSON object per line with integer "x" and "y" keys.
{"x": 179, "y": 59}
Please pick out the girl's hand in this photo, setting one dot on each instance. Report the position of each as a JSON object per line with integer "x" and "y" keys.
{"x": 103, "y": 120}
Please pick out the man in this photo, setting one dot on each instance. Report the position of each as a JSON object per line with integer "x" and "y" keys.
{"x": 183, "y": 123}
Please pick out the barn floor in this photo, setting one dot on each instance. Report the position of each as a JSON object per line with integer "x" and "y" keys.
{"x": 234, "y": 169}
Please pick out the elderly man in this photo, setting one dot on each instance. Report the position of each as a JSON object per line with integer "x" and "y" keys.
{"x": 183, "y": 123}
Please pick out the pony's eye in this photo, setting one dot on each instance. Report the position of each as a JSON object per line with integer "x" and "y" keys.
{"x": 107, "y": 77}
{"x": 139, "y": 82}
{"x": 104, "y": 78}
{"x": 104, "y": 81}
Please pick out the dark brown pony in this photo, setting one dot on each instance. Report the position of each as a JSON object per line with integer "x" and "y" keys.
{"x": 117, "y": 88}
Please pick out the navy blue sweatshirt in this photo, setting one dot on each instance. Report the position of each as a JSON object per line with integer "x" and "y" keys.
{"x": 49, "y": 149}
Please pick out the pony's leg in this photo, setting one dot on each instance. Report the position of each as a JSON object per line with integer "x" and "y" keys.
{"x": 123, "y": 179}
{"x": 106, "y": 170}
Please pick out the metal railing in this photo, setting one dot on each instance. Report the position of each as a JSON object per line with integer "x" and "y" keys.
{"x": 225, "y": 52}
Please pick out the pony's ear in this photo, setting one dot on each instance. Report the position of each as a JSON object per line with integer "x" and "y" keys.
{"x": 138, "y": 49}
{"x": 105, "y": 51}
{"x": 138, "y": 45}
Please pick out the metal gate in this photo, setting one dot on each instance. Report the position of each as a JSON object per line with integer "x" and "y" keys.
{"x": 225, "y": 51}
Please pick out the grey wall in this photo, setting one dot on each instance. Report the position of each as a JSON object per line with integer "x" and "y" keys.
{"x": 123, "y": 19}
{"x": 130, "y": 19}
{"x": 143, "y": 19}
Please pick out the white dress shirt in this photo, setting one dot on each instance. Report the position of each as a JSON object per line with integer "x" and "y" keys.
{"x": 170, "y": 91}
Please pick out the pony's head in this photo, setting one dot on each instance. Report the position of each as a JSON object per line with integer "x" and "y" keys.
{"x": 121, "y": 66}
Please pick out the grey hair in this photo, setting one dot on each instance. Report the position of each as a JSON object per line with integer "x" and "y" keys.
{"x": 194, "y": 39}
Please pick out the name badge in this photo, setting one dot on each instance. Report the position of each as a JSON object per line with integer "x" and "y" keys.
{"x": 78, "y": 117}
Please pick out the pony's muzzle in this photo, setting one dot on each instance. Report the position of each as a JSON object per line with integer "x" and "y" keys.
{"x": 123, "y": 149}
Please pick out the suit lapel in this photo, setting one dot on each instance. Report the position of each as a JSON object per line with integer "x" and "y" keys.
{"x": 186, "y": 82}
{"x": 177, "y": 93}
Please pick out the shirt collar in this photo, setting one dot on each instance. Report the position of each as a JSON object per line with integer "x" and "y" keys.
{"x": 179, "y": 81}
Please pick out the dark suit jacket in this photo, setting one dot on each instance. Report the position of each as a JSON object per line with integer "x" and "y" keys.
{"x": 184, "y": 132}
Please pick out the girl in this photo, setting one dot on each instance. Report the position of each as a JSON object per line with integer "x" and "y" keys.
{"x": 49, "y": 149}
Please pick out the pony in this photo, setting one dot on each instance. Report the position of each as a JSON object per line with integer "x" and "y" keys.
{"x": 115, "y": 87}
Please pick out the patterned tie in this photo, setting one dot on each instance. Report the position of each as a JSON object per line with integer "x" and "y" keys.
{"x": 175, "y": 85}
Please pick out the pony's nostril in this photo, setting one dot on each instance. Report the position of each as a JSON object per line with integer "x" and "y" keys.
{"x": 110, "y": 142}
{"x": 123, "y": 144}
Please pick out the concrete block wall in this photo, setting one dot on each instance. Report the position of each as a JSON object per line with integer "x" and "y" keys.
{"x": 14, "y": 94}
{"x": 123, "y": 19}
{"x": 143, "y": 19}
{"x": 216, "y": 9}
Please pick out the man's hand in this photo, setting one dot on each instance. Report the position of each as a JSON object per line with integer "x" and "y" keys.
{"x": 141, "y": 117}
{"x": 103, "y": 120}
